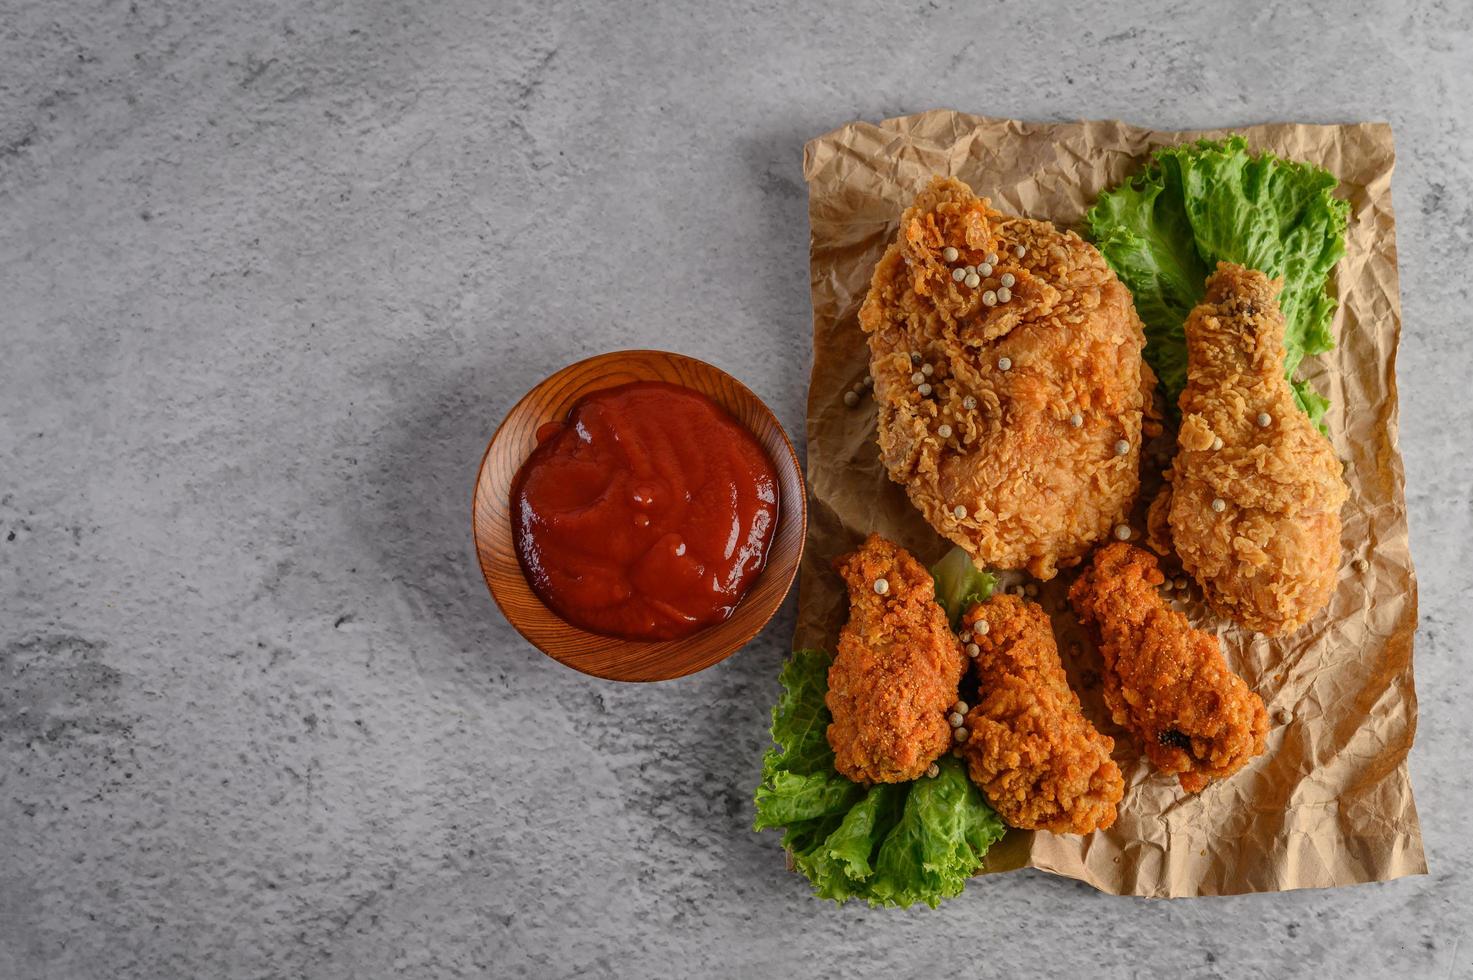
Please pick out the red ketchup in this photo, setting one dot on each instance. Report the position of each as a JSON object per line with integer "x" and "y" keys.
{"x": 646, "y": 515}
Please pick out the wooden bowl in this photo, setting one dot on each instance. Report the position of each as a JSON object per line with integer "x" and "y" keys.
{"x": 604, "y": 656}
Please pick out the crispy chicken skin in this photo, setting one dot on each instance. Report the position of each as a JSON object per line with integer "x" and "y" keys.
{"x": 1267, "y": 560}
{"x": 895, "y": 677}
{"x": 990, "y": 455}
{"x": 1163, "y": 680}
{"x": 1030, "y": 749}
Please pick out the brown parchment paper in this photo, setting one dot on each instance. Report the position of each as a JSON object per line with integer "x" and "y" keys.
{"x": 1329, "y": 802}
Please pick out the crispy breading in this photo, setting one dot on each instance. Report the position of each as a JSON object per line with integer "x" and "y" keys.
{"x": 1269, "y": 558}
{"x": 1030, "y": 749}
{"x": 1163, "y": 680}
{"x": 1015, "y": 482}
{"x": 895, "y": 676}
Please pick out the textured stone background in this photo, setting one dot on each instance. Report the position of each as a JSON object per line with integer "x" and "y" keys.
{"x": 270, "y": 273}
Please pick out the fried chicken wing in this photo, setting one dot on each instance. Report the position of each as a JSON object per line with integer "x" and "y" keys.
{"x": 1163, "y": 680}
{"x": 1253, "y": 502}
{"x": 1030, "y": 749}
{"x": 895, "y": 676}
{"x": 1011, "y": 400}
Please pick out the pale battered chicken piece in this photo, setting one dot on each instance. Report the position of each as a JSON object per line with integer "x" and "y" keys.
{"x": 1011, "y": 409}
{"x": 1163, "y": 680}
{"x": 1030, "y": 749}
{"x": 895, "y": 676}
{"x": 1255, "y": 518}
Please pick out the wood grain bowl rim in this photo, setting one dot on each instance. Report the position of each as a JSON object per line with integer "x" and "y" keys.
{"x": 609, "y": 657}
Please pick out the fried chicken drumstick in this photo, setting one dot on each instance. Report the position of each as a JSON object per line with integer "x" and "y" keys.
{"x": 1030, "y": 749}
{"x": 1163, "y": 680}
{"x": 1007, "y": 365}
{"x": 1253, "y": 504}
{"x": 895, "y": 676}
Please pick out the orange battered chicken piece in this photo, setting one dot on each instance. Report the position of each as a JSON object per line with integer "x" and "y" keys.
{"x": 1011, "y": 400}
{"x": 1253, "y": 504}
{"x": 1030, "y": 749}
{"x": 1163, "y": 680}
{"x": 895, "y": 677}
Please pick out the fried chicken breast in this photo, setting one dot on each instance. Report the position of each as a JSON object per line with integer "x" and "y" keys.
{"x": 1030, "y": 749}
{"x": 1163, "y": 680}
{"x": 1011, "y": 399}
{"x": 1252, "y": 508}
{"x": 895, "y": 676}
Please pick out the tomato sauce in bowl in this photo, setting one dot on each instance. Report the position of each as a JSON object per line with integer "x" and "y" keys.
{"x": 646, "y": 515}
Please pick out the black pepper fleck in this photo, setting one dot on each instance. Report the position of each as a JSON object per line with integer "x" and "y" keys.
{"x": 1174, "y": 738}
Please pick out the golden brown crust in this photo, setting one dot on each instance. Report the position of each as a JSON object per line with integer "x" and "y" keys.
{"x": 1269, "y": 559}
{"x": 1037, "y": 492}
{"x": 1030, "y": 749}
{"x": 1163, "y": 680}
{"x": 895, "y": 676}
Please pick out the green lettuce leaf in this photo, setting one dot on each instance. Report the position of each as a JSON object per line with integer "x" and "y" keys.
{"x": 891, "y": 844}
{"x": 1194, "y": 205}
{"x": 939, "y": 841}
{"x": 786, "y": 797}
{"x": 960, "y": 584}
{"x": 839, "y": 863}
{"x": 800, "y": 719}
{"x": 852, "y": 845}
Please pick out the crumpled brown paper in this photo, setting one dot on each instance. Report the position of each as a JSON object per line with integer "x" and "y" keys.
{"x": 1329, "y": 802}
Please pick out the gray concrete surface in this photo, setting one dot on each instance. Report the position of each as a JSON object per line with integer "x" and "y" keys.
{"x": 270, "y": 273}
